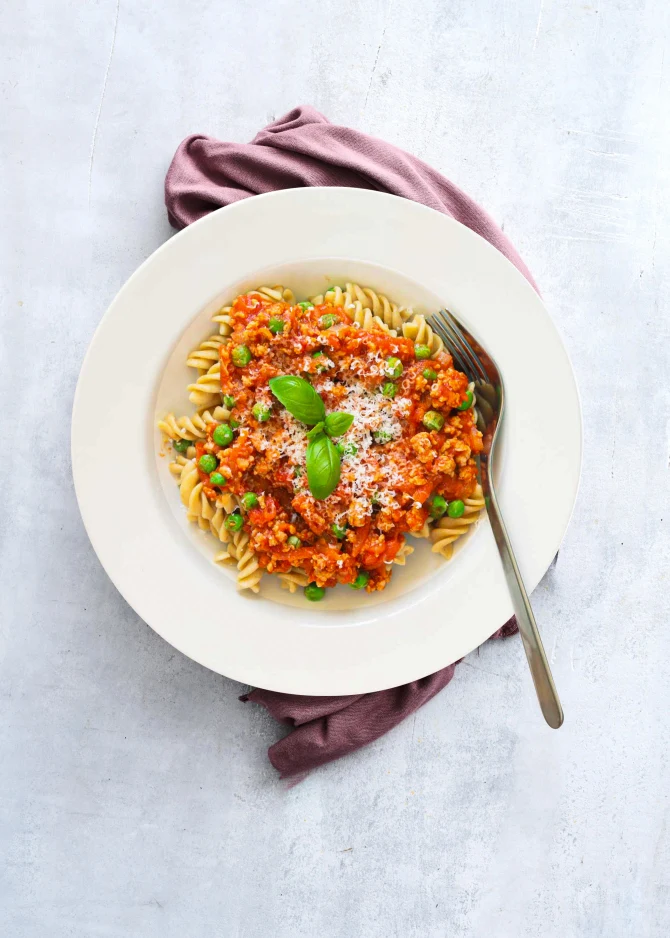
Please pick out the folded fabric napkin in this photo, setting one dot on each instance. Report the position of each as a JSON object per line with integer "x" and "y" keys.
{"x": 304, "y": 149}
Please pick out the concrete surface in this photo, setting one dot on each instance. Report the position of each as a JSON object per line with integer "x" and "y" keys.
{"x": 135, "y": 795}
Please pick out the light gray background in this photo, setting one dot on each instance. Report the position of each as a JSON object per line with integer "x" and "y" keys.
{"x": 135, "y": 794}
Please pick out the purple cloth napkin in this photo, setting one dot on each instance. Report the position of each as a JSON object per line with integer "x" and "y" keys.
{"x": 304, "y": 149}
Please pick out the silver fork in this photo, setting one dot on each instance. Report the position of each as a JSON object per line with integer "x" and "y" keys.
{"x": 471, "y": 358}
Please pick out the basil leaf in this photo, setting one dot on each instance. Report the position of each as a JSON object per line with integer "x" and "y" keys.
{"x": 338, "y": 423}
{"x": 299, "y": 398}
{"x": 323, "y": 466}
{"x": 318, "y": 428}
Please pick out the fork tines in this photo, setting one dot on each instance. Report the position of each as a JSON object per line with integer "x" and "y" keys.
{"x": 461, "y": 350}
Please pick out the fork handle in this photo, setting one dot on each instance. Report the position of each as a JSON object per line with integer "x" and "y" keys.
{"x": 530, "y": 635}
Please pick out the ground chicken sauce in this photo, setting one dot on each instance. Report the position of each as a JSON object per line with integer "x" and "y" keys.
{"x": 391, "y": 464}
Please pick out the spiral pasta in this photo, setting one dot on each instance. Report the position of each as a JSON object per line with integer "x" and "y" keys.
{"x": 366, "y": 319}
{"x": 363, "y": 315}
{"x": 206, "y": 391}
{"x": 447, "y": 530}
{"x": 418, "y": 330}
{"x": 217, "y": 525}
{"x": 402, "y": 555}
{"x": 177, "y": 466}
{"x": 194, "y": 427}
{"x": 198, "y": 507}
{"x": 249, "y": 571}
{"x": 366, "y": 307}
{"x": 293, "y": 580}
{"x": 372, "y": 312}
{"x": 207, "y": 353}
{"x": 422, "y": 532}
{"x": 278, "y": 293}
{"x": 222, "y": 316}
{"x": 223, "y": 558}
{"x": 212, "y": 517}
{"x": 169, "y": 427}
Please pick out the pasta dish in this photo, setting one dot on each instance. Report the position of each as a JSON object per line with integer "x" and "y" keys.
{"x": 325, "y": 433}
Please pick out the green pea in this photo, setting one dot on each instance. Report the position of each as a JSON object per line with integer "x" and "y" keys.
{"x": 276, "y": 325}
{"x": 346, "y": 449}
{"x": 393, "y": 367}
{"x": 327, "y": 321}
{"x": 437, "y": 506}
{"x": 249, "y": 500}
{"x": 234, "y": 424}
{"x": 467, "y": 403}
{"x": 388, "y": 389}
{"x": 432, "y": 420}
{"x": 306, "y": 305}
{"x": 381, "y": 436}
{"x": 182, "y": 445}
{"x": 429, "y": 374}
{"x": 217, "y": 479}
{"x": 361, "y": 581}
{"x": 261, "y": 412}
{"x": 422, "y": 351}
{"x": 228, "y": 401}
{"x": 338, "y": 531}
{"x": 208, "y": 463}
{"x": 294, "y": 541}
{"x": 322, "y": 366}
{"x": 235, "y": 522}
{"x": 223, "y": 435}
{"x": 241, "y": 356}
{"x": 314, "y": 593}
{"x": 456, "y": 509}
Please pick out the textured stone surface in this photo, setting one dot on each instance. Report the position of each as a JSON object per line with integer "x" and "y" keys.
{"x": 135, "y": 797}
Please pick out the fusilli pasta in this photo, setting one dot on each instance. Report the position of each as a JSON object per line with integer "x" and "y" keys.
{"x": 206, "y": 354}
{"x": 293, "y": 580}
{"x": 194, "y": 427}
{"x": 365, "y": 307}
{"x": 447, "y": 530}
{"x": 418, "y": 330}
{"x": 249, "y": 572}
{"x": 402, "y": 555}
{"x": 198, "y": 507}
{"x": 371, "y": 311}
{"x": 206, "y": 391}
{"x": 278, "y": 293}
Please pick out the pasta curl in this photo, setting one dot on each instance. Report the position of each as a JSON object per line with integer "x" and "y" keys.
{"x": 447, "y": 530}
{"x": 293, "y": 580}
{"x": 365, "y": 307}
{"x": 418, "y": 330}
{"x": 207, "y": 353}
{"x": 195, "y": 441}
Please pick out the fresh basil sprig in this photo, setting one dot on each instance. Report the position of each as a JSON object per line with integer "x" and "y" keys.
{"x": 323, "y": 460}
{"x": 299, "y": 398}
{"x": 338, "y": 423}
{"x": 323, "y": 466}
{"x": 316, "y": 430}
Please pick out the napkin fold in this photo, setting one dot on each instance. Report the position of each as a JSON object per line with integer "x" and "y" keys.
{"x": 303, "y": 148}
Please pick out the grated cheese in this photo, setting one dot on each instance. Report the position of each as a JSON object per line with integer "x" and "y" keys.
{"x": 363, "y": 474}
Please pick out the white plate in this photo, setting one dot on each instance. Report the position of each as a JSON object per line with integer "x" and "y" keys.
{"x": 134, "y": 371}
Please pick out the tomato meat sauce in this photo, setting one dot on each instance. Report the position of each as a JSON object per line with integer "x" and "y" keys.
{"x": 408, "y": 441}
